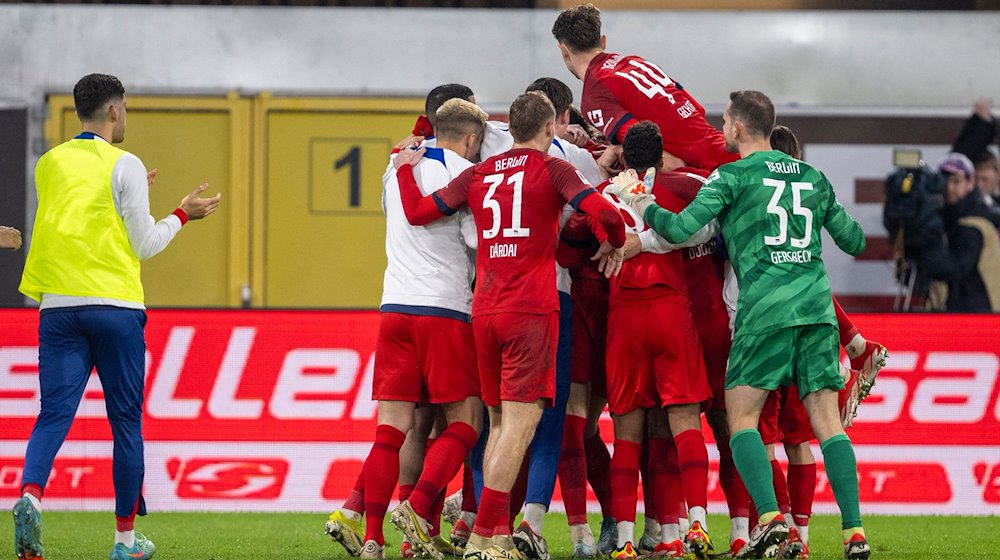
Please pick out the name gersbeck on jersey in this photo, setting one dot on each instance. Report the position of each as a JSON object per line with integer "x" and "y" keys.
{"x": 778, "y": 257}
{"x": 784, "y": 167}
{"x": 507, "y": 163}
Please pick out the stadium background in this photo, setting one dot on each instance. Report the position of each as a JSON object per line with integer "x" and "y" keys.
{"x": 290, "y": 112}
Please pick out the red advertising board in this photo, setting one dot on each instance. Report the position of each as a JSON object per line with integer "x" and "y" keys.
{"x": 256, "y": 409}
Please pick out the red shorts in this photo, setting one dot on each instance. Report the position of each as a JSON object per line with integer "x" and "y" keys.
{"x": 784, "y": 418}
{"x": 590, "y": 333}
{"x": 424, "y": 359}
{"x": 654, "y": 356}
{"x": 713, "y": 331}
{"x": 517, "y": 356}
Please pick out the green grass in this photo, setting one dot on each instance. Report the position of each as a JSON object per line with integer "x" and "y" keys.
{"x": 299, "y": 536}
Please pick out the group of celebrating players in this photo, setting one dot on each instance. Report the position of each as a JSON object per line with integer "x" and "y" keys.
{"x": 509, "y": 285}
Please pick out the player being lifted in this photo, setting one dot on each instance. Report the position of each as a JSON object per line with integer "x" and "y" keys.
{"x": 773, "y": 208}
{"x": 620, "y": 91}
{"x": 516, "y": 199}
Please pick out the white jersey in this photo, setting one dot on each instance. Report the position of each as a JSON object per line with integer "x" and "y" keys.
{"x": 498, "y": 140}
{"x": 430, "y": 269}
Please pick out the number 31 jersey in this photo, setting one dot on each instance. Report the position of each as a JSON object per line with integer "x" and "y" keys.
{"x": 516, "y": 199}
{"x": 773, "y": 208}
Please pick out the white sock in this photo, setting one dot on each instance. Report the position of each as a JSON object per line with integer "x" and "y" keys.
{"x": 351, "y": 514}
{"x": 856, "y": 346}
{"x": 581, "y": 533}
{"x": 469, "y": 517}
{"x": 651, "y": 529}
{"x": 34, "y": 501}
{"x": 626, "y": 532}
{"x": 698, "y": 513}
{"x": 533, "y": 516}
{"x": 739, "y": 529}
{"x": 803, "y": 532}
{"x": 684, "y": 524}
{"x": 127, "y": 538}
{"x": 789, "y": 520}
{"x": 669, "y": 532}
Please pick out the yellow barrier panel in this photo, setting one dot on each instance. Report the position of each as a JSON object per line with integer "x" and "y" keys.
{"x": 318, "y": 227}
{"x": 190, "y": 140}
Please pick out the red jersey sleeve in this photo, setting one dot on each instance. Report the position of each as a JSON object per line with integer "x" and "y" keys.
{"x": 605, "y": 112}
{"x": 421, "y": 210}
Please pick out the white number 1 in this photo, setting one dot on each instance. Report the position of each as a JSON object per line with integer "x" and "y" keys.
{"x": 515, "y": 230}
{"x": 797, "y": 209}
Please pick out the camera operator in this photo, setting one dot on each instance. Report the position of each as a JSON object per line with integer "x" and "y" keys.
{"x": 967, "y": 259}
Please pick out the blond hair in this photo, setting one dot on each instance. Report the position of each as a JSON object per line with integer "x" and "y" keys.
{"x": 458, "y": 118}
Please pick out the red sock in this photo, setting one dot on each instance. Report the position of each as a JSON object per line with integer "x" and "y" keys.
{"x": 123, "y": 524}
{"x": 736, "y": 493}
{"x": 434, "y": 514}
{"x": 440, "y": 466}
{"x": 468, "y": 491}
{"x": 599, "y": 470}
{"x": 693, "y": 459}
{"x": 752, "y": 510}
{"x": 381, "y": 474}
{"x": 844, "y": 324}
{"x": 573, "y": 470}
{"x": 405, "y": 490}
{"x": 646, "y": 477}
{"x": 356, "y": 501}
{"x": 517, "y": 494}
{"x": 802, "y": 490}
{"x": 624, "y": 479}
{"x": 492, "y": 505}
{"x": 505, "y": 523}
{"x": 666, "y": 479}
{"x": 33, "y": 490}
{"x": 780, "y": 487}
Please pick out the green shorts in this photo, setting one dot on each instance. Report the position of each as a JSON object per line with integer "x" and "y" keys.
{"x": 807, "y": 355}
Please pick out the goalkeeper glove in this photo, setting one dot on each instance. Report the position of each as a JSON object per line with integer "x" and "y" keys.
{"x": 630, "y": 190}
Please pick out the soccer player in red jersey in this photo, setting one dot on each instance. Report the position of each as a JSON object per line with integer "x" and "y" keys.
{"x": 516, "y": 199}
{"x": 620, "y": 91}
{"x": 648, "y": 368}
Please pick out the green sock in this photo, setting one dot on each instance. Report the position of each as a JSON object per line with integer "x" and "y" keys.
{"x": 842, "y": 471}
{"x": 754, "y": 466}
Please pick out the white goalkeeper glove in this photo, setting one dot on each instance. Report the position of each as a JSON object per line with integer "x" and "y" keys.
{"x": 632, "y": 191}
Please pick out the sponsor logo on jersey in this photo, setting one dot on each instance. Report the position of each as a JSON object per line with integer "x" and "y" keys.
{"x": 596, "y": 117}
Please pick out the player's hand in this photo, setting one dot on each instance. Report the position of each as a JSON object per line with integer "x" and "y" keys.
{"x": 610, "y": 161}
{"x": 610, "y": 259}
{"x": 411, "y": 141}
{"x": 196, "y": 207}
{"x": 408, "y": 157}
{"x": 633, "y": 245}
{"x": 576, "y": 134}
{"x": 10, "y": 238}
{"x": 984, "y": 108}
{"x": 671, "y": 162}
{"x": 151, "y": 177}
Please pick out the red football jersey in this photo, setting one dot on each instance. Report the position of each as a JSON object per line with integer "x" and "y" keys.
{"x": 648, "y": 270}
{"x": 516, "y": 199}
{"x": 702, "y": 264}
{"x": 619, "y": 91}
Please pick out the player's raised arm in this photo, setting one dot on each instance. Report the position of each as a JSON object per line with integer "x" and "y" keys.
{"x": 844, "y": 229}
{"x": 419, "y": 209}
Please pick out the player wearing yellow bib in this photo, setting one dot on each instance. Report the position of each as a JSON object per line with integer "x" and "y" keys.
{"x": 772, "y": 208}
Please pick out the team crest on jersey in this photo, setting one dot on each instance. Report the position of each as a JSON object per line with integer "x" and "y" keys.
{"x": 596, "y": 117}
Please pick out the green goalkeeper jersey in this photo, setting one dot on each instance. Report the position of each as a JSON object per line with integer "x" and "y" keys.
{"x": 771, "y": 207}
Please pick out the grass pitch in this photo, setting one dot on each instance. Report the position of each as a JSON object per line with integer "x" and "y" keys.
{"x": 299, "y": 536}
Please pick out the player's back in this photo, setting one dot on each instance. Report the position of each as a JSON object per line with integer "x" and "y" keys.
{"x": 773, "y": 233}
{"x": 516, "y": 198}
{"x": 620, "y": 89}
{"x": 427, "y": 265}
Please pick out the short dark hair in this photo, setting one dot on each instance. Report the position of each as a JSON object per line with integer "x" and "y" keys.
{"x": 528, "y": 115}
{"x": 784, "y": 140}
{"x": 579, "y": 28}
{"x": 437, "y": 96}
{"x": 754, "y": 110}
{"x": 93, "y": 91}
{"x": 556, "y": 90}
{"x": 643, "y": 146}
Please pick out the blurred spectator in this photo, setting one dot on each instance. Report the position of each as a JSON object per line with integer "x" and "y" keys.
{"x": 966, "y": 262}
{"x": 974, "y": 142}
